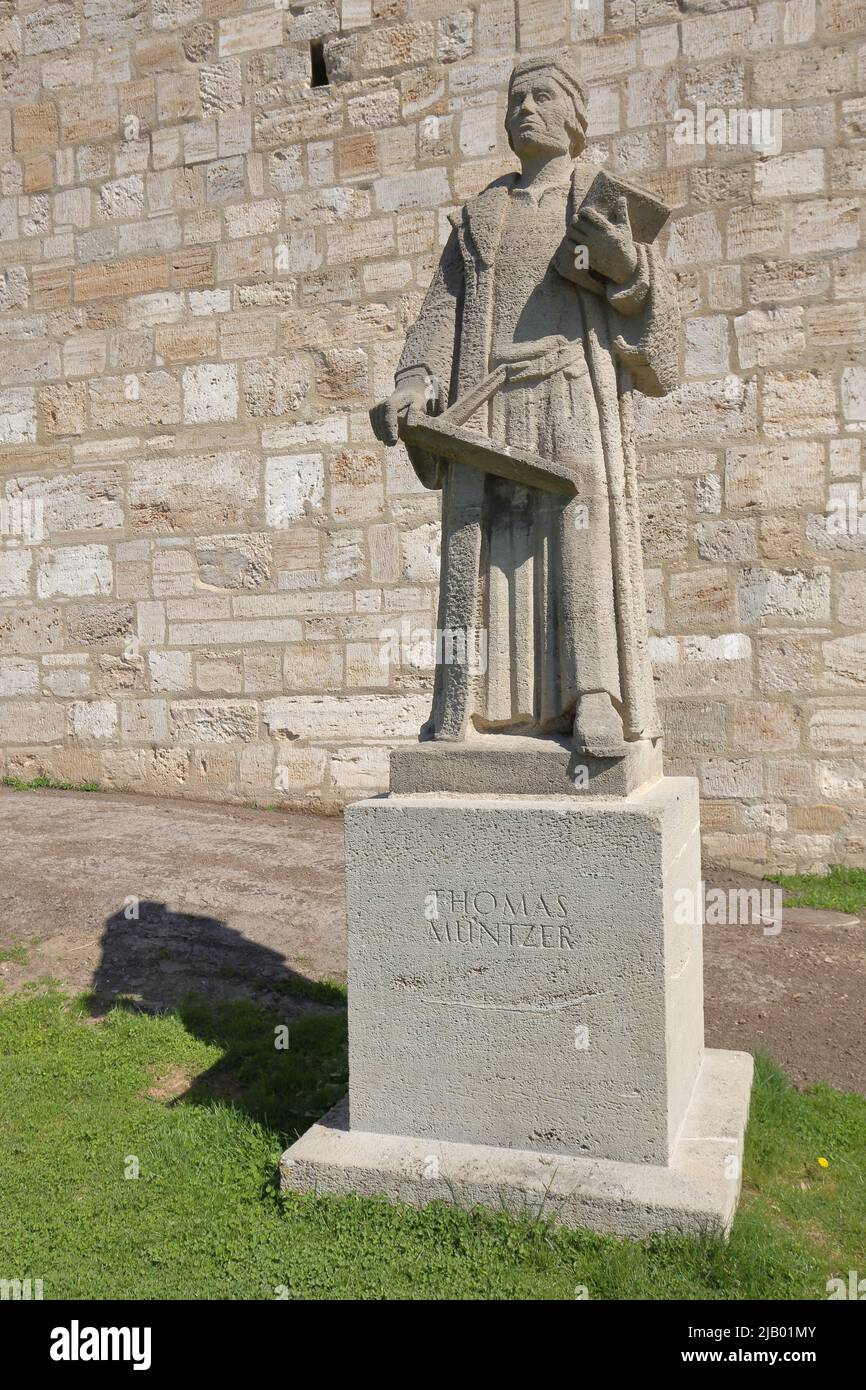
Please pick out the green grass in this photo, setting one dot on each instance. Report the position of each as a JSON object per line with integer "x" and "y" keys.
{"x": 204, "y": 1218}
{"x": 841, "y": 890}
{"x": 49, "y": 783}
{"x": 16, "y": 955}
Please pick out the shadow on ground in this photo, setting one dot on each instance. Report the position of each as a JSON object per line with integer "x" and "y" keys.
{"x": 283, "y": 1047}
{"x": 145, "y": 942}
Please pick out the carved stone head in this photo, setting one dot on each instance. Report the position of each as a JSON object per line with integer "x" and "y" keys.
{"x": 546, "y": 107}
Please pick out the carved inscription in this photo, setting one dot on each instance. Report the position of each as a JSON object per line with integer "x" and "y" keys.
{"x": 479, "y": 917}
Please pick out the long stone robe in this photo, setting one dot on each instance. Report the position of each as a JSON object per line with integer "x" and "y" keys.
{"x": 556, "y": 582}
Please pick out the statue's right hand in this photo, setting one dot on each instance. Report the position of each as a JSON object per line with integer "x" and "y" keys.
{"x": 387, "y": 416}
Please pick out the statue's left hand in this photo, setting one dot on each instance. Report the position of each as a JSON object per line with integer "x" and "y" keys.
{"x": 606, "y": 234}
{"x": 386, "y": 417}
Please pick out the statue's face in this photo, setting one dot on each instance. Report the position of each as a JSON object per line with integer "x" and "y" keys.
{"x": 540, "y": 116}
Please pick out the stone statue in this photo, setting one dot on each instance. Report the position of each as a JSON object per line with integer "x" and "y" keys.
{"x": 546, "y": 311}
{"x": 525, "y": 992}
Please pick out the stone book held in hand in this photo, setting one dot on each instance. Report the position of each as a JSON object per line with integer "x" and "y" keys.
{"x": 646, "y": 214}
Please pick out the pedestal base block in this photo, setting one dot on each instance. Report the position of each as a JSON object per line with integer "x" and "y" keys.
{"x": 695, "y": 1194}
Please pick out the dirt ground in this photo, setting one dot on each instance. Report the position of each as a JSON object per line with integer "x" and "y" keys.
{"x": 154, "y": 899}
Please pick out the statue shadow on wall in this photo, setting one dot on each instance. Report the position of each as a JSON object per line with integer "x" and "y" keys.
{"x": 281, "y": 1035}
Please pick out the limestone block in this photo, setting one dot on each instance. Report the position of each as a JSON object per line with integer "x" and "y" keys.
{"x": 134, "y": 400}
{"x": 360, "y": 769}
{"x": 343, "y": 556}
{"x": 28, "y": 362}
{"x": 755, "y": 230}
{"x": 18, "y": 677}
{"x": 93, "y": 721}
{"x": 35, "y": 127}
{"x": 824, "y": 224}
{"x": 702, "y": 664}
{"x": 15, "y": 570}
{"x": 50, "y": 28}
{"x": 30, "y": 630}
{"x": 799, "y": 403}
{"x": 144, "y": 721}
{"x": 210, "y": 392}
{"x": 213, "y": 721}
{"x": 779, "y": 280}
{"x": 801, "y": 171}
{"x": 172, "y": 14}
{"x": 234, "y": 562}
{"x": 396, "y": 46}
{"x": 314, "y": 667}
{"x": 766, "y": 726}
{"x": 700, "y": 597}
{"x": 99, "y": 624}
{"x": 17, "y": 416}
{"x": 121, "y": 198}
{"x": 356, "y": 484}
{"x": 495, "y": 32}
{"x": 710, "y": 410}
{"x": 292, "y": 482}
{"x": 218, "y": 674}
{"x": 86, "y": 501}
{"x": 854, "y": 393}
{"x": 192, "y": 493}
{"x": 786, "y": 662}
{"x": 394, "y": 192}
{"x": 377, "y": 717}
{"x": 694, "y": 238}
{"x": 766, "y": 337}
{"x": 839, "y": 729}
{"x": 785, "y": 76}
{"x": 299, "y": 767}
{"x": 774, "y": 476}
{"x": 26, "y": 722}
{"x": 707, "y": 346}
{"x": 845, "y": 660}
{"x": 480, "y": 128}
{"x": 170, "y": 670}
{"x": 836, "y": 325}
{"x": 250, "y": 32}
{"x": 275, "y": 385}
{"x": 74, "y": 570}
{"x": 792, "y": 595}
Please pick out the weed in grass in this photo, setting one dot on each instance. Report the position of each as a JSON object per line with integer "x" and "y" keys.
{"x": 48, "y": 784}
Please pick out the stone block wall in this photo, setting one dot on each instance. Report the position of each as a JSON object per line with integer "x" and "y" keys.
{"x": 217, "y": 221}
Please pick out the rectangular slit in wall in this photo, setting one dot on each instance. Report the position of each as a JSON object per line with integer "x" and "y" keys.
{"x": 318, "y": 68}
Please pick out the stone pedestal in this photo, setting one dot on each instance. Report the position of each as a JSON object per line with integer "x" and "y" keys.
{"x": 526, "y": 1011}
{"x": 514, "y": 764}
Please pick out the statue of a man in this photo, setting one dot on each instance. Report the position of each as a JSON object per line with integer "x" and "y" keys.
{"x": 567, "y": 313}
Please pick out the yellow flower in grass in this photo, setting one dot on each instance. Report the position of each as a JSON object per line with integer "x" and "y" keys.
{"x": 824, "y": 1162}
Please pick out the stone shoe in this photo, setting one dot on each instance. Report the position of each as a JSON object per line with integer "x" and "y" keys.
{"x": 598, "y": 727}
